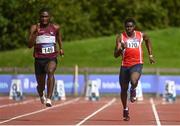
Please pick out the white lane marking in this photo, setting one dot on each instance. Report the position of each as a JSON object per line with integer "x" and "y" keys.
{"x": 155, "y": 112}
{"x": 42, "y": 110}
{"x": 105, "y": 106}
{"x": 18, "y": 103}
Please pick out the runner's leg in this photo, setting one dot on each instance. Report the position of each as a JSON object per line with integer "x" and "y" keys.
{"x": 51, "y": 67}
{"x": 135, "y": 76}
{"x": 135, "y": 73}
{"x": 124, "y": 83}
{"x": 41, "y": 83}
{"x": 40, "y": 76}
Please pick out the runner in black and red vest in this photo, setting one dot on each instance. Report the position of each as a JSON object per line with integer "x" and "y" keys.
{"x": 44, "y": 37}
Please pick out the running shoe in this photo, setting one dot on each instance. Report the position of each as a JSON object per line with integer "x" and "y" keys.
{"x": 126, "y": 115}
{"x": 132, "y": 95}
{"x": 43, "y": 99}
{"x": 48, "y": 102}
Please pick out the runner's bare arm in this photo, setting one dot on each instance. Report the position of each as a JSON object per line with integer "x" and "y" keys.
{"x": 118, "y": 48}
{"x": 59, "y": 39}
{"x": 149, "y": 48}
{"x": 32, "y": 36}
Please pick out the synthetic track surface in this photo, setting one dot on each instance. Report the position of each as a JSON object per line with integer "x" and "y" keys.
{"x": 78, "y": 111}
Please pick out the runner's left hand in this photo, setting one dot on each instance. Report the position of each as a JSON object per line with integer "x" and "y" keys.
{"x": 151, "y": 59}
{"x": 61, "y": 52}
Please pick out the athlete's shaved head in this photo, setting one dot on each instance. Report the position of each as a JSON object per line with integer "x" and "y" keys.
{"x": 129, "y": 20}
{"x": 44, "y": 10}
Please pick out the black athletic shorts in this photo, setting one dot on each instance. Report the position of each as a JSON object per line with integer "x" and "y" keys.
{"x": 41, "y": 63}
{"x": 125, "y": 72}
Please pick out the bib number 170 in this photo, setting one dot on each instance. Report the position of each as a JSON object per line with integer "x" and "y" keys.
{"x": 132, "y": 44}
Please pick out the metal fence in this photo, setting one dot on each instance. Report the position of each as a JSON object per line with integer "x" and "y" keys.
{"x": 107, "y": 70}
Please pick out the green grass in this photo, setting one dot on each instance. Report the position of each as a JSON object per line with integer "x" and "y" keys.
{"x": 98, "y": 52}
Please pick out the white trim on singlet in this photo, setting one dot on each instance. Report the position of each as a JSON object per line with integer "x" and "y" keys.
{"x": 45, "y": 39}
{"x": 141, "y": 36}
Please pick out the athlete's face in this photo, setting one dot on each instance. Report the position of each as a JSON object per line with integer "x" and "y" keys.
{"x": 44, "y": 18}
{"x": 129, "y": 27}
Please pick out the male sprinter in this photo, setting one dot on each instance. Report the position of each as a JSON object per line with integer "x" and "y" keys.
{"x": 43, "y": 37}
{"x": 129, "y": 45}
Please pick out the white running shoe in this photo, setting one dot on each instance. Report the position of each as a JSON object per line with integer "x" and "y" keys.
{"x": 48, "y": 102}
{"x": 43, "y": 99}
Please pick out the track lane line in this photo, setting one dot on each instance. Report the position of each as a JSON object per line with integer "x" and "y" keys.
{"x": 94, "y": 113}
{"x": 39, "y": 111}
{"x": 155, "y": 112}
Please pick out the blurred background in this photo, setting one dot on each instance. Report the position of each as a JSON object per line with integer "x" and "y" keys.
{"x": 88, "y": 28}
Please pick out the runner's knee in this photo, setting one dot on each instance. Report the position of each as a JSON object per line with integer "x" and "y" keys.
{"x": 134, "y": 82}
{"x": 50, "y": 71}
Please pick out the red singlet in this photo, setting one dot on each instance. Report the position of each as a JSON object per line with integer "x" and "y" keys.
{"x": 45, "y": 46}
{"x": 133, "y": 53}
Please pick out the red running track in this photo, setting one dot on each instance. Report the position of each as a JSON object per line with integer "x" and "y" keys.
{"x": 78, "y": 111}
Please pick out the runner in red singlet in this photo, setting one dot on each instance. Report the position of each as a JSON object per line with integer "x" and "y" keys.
{"x": 43, "y": 37}
{"x": 129, "y": 46}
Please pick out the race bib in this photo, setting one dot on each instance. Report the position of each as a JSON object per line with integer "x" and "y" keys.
{"x": 134, "y": 43}
{"x": 47, "y": 50}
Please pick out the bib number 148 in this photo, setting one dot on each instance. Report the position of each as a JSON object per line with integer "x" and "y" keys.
{"x": 47, "y": 50}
